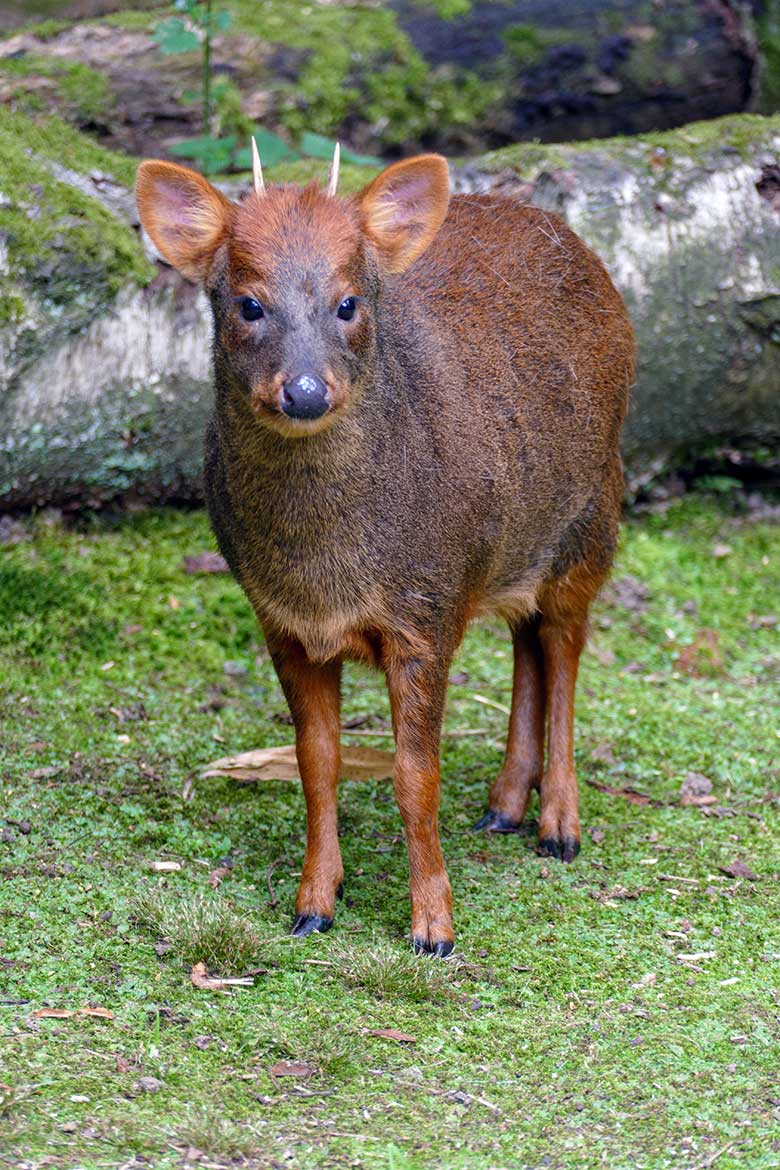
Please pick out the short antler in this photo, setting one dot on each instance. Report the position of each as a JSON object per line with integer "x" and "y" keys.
{"x": 333, "y": 174}
{"x": 257, "y": 170}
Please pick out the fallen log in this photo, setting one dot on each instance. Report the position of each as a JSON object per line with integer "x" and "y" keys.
{"x": 105, "y": 382}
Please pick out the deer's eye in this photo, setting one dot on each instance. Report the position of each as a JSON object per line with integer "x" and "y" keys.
{"x": 251, "y": 310}
{"x": 347, "y": 309}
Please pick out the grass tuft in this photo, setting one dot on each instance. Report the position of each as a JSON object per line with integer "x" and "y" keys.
{"x": 217, "y": 1136}
{"x": 324, "y": 1049}
{"x": 391, "y": 972}
{"x": 203, "y": 929}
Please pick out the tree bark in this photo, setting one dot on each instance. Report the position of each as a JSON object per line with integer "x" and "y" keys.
{"x": 688, "y": 223}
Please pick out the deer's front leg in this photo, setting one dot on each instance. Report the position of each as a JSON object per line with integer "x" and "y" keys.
{"x": 312, "y": 691}
{"x": 417, "y": 689}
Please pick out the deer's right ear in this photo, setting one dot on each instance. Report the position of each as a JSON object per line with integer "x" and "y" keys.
{"x": 404, "y": 208}
{"x": 185, "y": 216}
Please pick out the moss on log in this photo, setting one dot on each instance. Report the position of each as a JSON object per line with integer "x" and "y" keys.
{"x": 104, "y": 357}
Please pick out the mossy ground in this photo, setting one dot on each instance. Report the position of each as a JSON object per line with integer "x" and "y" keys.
{"x": 571, "y": 1031}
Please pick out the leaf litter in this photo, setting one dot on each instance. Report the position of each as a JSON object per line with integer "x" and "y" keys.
{"x": 280, "y": 763}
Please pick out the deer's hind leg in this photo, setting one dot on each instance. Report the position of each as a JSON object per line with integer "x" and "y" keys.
{"x": 564, "y": 606}
{"x": 523, "y": 764}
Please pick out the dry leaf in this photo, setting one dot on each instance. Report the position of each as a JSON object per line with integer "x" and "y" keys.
{"x": 392, "y": 1034}
{"x": 123, "y": 1065}
{"x": 765, "y": 621}
{"x": 695, "y": 784}
{"x": 149, "y": 1084}
{"x": 279, "y": 763}
{"x": 696, "y": 791}
{"x": 291, "y": 1068}
{"x": 627, "y": 793}
{"x": 68, "y": 1013}
{"x": 165, "y": 866}
{"x": 205, "y": 562}
{"x": 721, "y": 550}
{"x": 217, "y": 875}
{"x": 738, "y": 869}
{"x": 43, "y": 773}
{"x": 201, "y": 979}
{"x": 698, "y": 801}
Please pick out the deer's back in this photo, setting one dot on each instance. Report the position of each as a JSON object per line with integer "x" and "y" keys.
{"x": 529, "y": 312}
{"x": 516, "y": 387}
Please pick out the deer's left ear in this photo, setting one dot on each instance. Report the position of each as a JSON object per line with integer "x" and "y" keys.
{"x": 185, "y": 216}
{"x": 404, "y": 208}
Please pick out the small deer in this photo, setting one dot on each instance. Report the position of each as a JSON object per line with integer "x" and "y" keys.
{"x": 417, "y": 413}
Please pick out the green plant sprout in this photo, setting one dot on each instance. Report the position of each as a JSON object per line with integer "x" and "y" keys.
{"x": 212, "y": 151}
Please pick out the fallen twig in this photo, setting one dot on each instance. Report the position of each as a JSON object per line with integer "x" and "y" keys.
{"x": 490, "y": 703}
{"x": 628, "y": 793}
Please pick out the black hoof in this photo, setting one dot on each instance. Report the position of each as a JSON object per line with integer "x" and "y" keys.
{"x": 496, "y": 822}
{"x": 565, "y": 850}
{"x": 307, "y": 924}
{"x": 439, "y": 950}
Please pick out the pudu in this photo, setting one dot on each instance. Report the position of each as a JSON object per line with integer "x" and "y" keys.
{"x": 418, "y": 405}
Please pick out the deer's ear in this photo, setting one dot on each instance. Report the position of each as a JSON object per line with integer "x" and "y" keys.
{"x": 185, "y": 216}
{"x": 404, "y": 208}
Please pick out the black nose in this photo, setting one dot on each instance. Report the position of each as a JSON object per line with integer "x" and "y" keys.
{"x": 305, "y": 397}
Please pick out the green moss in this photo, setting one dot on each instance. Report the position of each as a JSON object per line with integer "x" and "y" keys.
{"x": 358, "y": 62}
{"x": 61, "y": 244}
{"x": 768, "y": 28}
{"x": 743, "y": 133}
{"x": 135, "y": 21}
{"x": 81, "y": 93}
{"x": 448, "y": 9}
{"x": 12, "y": 305}
{"x": 526, "y": 43}
{"x": 44, "y": 30}
{"x": 53, "y": 139}
{"x": 698, "y": 141}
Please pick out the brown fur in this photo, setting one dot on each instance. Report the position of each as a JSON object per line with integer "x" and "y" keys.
{"x": 468, "y": 464}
